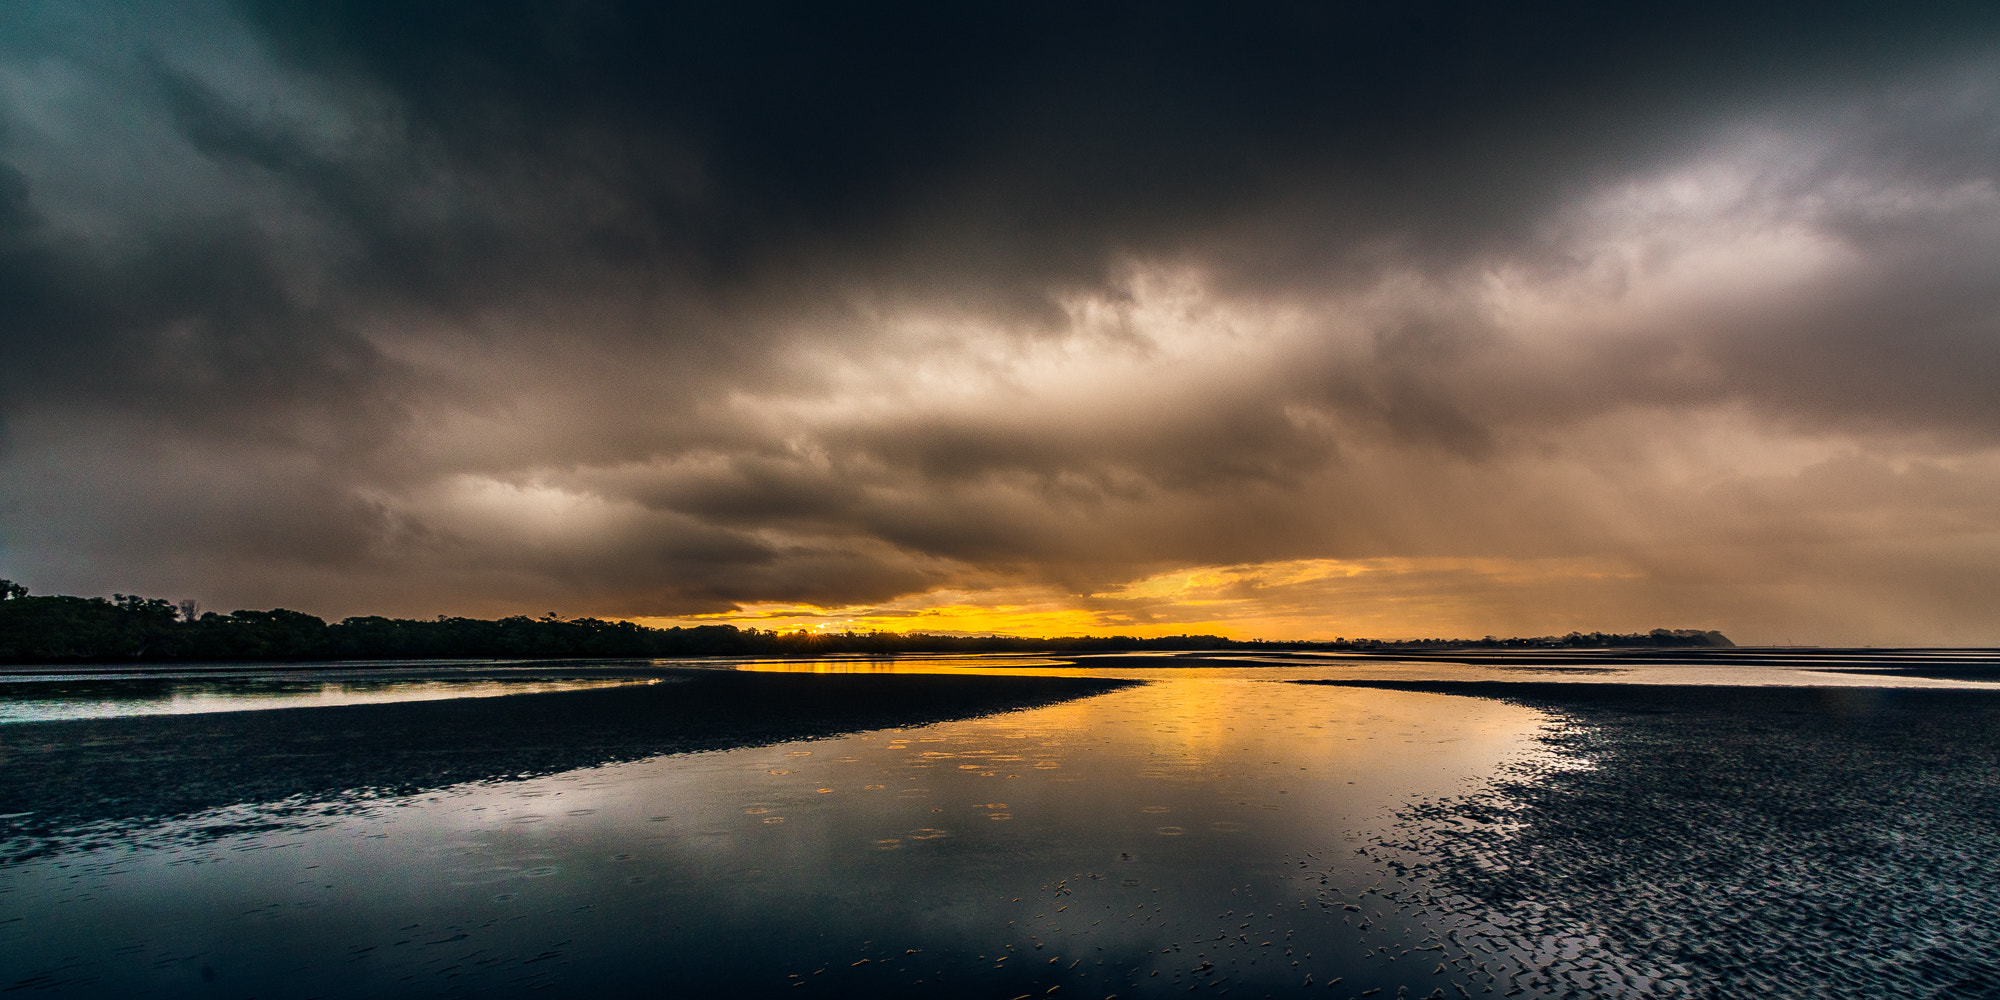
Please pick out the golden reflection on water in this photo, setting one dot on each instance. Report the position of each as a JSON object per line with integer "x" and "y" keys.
{"x": 1194, "y": 753}
{"x": 1189, "y": 720}
{"x": 1116, "y": 828}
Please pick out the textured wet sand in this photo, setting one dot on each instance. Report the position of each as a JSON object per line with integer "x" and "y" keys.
{"x": 68, "y": 783}
{"x": 1726, "y": 842}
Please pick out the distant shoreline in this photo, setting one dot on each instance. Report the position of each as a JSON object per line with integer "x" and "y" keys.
{"x": 57, "y": 630}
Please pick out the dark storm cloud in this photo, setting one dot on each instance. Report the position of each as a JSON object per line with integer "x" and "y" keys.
{"x": 456, "y": 306}
{"x": 1040, "y": 137}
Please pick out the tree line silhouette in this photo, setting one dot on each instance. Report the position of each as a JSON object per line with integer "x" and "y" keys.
{"x": 129, "y": 628}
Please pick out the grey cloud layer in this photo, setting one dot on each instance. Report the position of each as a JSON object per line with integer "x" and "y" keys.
{"x": 481, "y": 310}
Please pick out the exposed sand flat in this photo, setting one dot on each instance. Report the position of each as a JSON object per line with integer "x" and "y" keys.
{"x": 1695, "y": 841}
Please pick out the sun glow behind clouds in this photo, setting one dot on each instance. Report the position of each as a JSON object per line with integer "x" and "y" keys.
{"x": 307, "y": 334}
{"x": 1289, "y": 599}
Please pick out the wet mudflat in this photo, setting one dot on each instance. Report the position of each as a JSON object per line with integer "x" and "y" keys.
{"x": 1696, "y": 841}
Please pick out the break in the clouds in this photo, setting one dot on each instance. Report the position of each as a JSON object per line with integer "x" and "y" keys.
{"x": 1275, "y": 320}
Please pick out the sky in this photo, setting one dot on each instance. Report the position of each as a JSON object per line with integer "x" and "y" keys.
{"x": 1276, "y": 320}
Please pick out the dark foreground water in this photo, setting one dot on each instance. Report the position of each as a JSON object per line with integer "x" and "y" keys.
{"x": 982, "y": 828}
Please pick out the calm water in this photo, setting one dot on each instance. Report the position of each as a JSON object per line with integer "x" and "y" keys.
{"x": 28, "y": 695}
{"x": 32, "y": 694}
{"x": 1200, "y": 831}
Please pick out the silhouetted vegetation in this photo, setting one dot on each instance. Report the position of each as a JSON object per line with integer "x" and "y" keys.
{"x": 129, "y": 628}
{"x": 1659, "y": 638}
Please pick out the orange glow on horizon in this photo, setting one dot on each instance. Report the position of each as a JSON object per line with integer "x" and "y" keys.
{"x": 1291, "y": 599}
{"x": 944, "y": 619}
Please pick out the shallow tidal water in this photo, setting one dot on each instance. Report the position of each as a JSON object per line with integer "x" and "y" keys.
{"x": 1163, "y": 835}
{"x": 28, "y": 695}
{"x": 1214, "y": 829}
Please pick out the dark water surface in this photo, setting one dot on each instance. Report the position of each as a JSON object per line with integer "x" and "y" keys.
{"x": 967, "y": 827}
